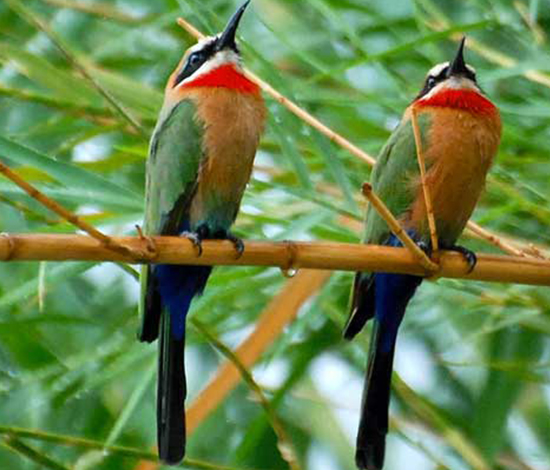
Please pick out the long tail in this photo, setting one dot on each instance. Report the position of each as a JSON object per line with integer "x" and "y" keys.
{"x": 171, "y": 393}
{"x": 392, "y": 293}
{"x": 373, "y": 424}
{"x": 172, "y": 289}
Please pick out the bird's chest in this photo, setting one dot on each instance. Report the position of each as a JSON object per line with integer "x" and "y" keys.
{"x": 460, "y": 150}
{"x": 233, "y": 125}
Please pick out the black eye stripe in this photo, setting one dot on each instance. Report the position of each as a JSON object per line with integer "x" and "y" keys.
{"x": 195, "y": 61}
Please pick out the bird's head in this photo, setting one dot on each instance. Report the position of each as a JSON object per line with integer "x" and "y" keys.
{"x": 214, "y": 61}
{"x": 453, "y": 85}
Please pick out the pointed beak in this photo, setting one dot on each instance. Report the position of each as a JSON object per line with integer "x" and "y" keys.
{"x": 227, "y": 38}
{"x": 458, "y": 66}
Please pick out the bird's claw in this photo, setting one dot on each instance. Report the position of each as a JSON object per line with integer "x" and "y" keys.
{"x": 469, "y": 256}
{"x": 425, "y": 247}
{"x": 195, "y": 239}
{"x": 237, "y": 243}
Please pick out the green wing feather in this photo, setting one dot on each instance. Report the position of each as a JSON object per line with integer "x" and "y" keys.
{"x": 175, "y": 155}
{"x": 396, "y": 167}
{"x": 172, "y": 168}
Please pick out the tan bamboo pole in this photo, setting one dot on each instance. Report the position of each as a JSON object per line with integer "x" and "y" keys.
{"x": 286, "y": 255}
{"x": 70, "y": 217}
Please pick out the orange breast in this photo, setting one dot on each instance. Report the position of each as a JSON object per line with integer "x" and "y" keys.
{"x": 461, "y": 148}
{"x": 233, "y": 122}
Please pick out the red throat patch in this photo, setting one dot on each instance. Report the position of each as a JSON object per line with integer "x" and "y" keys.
{"x": 467, "y": 100}
{"x": 225, "y": 76}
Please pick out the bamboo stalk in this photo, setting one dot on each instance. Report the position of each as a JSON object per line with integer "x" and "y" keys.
{"x": 285, "y": 255}
{"x": 396, "y": 228}
{"x": 345, "y": 143}
{"x": 425, "y": 187}
{"x": 70, "y": 217}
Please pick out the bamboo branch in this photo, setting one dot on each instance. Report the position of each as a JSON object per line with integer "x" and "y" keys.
{"x": 425, "y": 188}
{"x": 107, "y": 241}
{"x": 497, "y": 241}
{"x": 398, "y": 231}
{"x": 285, "y": 255}
{"x": 345, "y": 143}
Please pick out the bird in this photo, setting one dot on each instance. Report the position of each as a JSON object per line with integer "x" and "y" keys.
{"x": 460, "y": 130}
{"x": 200, "y": 160}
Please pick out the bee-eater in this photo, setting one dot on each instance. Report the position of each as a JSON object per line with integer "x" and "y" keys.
{"x": 460, "y": 131}
{"x": 200, "y": 160}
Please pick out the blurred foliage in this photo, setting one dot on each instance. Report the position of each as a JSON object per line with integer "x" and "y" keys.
{"x": 473, "y": 357}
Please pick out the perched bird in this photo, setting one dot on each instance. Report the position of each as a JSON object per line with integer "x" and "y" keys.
{"x": 200, "y": 160}
{"x": 460, "y": 130}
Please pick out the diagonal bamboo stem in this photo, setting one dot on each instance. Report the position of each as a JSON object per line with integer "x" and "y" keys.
{"x": 105, "y": 240}
{"x": 425, "y": 187}
{"x": 398, "y": 230}
{"x": 285, "y": 255}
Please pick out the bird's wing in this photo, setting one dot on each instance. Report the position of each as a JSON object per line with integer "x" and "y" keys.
{"x": 175, "y": 156}
{"x": 394, "y": 176}
{"x": 392, "y": 180}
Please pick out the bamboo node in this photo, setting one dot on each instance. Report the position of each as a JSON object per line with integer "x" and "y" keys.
{"x": 11, "y": 246}
{"x": 151, "y": 251}
{"x": 289, "y": 270}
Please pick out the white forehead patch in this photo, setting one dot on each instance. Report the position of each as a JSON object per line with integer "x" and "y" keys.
{"x": 437, "y": 69}
{"x": 200, "y": 44}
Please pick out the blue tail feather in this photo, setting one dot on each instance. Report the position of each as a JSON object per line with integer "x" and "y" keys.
{"x": 178, "y": 285}
{"x": 392, "y": 293}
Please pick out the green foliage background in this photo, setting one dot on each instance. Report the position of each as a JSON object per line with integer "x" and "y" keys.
{"x": 473, "y": 357}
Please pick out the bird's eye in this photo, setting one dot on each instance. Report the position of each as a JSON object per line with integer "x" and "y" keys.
{"x": 194, "y": 59}
{"x": 431, "y": 82}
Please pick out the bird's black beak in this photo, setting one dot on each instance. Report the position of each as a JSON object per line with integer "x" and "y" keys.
{"x": 227, "y": 38}
{"x": 458, "y": 66}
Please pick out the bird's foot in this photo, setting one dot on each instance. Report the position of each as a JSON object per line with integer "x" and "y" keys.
{"x": 425, "y": 247}
{"x": 196, "y": 239}
{"x": 237, "y": 242}
{"x": 469, "y": 256}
